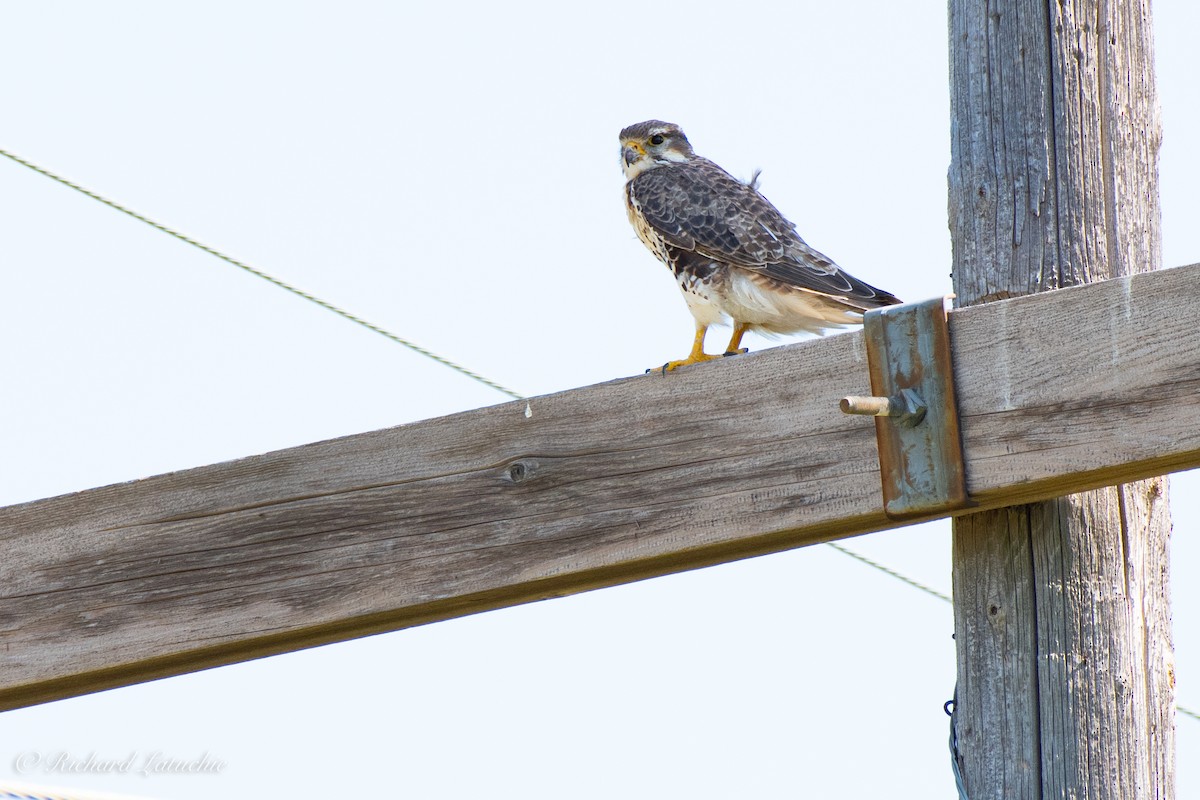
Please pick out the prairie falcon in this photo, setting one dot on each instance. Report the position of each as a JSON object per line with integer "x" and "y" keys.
{"x": 734, "y": 255}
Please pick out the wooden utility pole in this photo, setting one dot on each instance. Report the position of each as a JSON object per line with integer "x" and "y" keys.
{"x": 1062, "y": 611}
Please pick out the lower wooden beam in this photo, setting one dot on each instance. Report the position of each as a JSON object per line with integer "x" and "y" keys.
{"x": 599, "y": 486}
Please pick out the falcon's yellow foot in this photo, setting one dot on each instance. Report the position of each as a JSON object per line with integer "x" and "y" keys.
{"x": 694, "y": 358}
{"x": 736, "y": 352}
{"x": 697, "y": 355}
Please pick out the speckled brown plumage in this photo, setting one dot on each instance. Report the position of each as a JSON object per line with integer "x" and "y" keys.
{"x": 734, "y": 254}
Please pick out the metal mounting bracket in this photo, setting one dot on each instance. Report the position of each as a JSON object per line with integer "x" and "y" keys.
{"x": 916, "y": 417}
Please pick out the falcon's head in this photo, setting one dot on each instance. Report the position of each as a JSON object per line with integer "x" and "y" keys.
{"x": 650, "y": 144}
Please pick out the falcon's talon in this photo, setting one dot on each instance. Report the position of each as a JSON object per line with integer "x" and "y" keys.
{"x": 739, "y": 352}
{"x": 733, "y": 254}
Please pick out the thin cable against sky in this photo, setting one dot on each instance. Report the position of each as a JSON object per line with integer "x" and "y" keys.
{"x": 890, "y": 572}
{"x": 1187, "y": 712}
{"x": 445, "y": 362}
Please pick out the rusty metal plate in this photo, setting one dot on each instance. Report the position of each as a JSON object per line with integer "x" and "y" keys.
{"x": 912, "y": 378}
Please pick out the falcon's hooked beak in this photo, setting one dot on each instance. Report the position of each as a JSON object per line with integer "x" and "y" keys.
{"x": 631, "y": 152}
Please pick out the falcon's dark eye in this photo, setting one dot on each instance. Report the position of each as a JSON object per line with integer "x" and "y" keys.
{"x": 657, "y": 139}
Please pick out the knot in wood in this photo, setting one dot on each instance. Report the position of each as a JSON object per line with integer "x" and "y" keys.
{"x": 519, "y": 471}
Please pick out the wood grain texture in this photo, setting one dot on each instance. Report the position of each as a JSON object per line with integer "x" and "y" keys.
{"x": 1050, "y": 385}
{"x": 434, "y": 520}
{"x": 1062, "y": 614}
{"x": 996, "y": 696}
{"x": 602, "y": 485}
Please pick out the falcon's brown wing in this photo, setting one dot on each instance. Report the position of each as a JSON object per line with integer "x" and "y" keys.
{"x": 697, "y": 206}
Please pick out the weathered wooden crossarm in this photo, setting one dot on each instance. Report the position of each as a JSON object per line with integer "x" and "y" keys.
{"x": 601, "y": 485}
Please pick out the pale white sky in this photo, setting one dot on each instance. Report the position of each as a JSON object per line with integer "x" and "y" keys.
{"x": 451, "y": 174}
